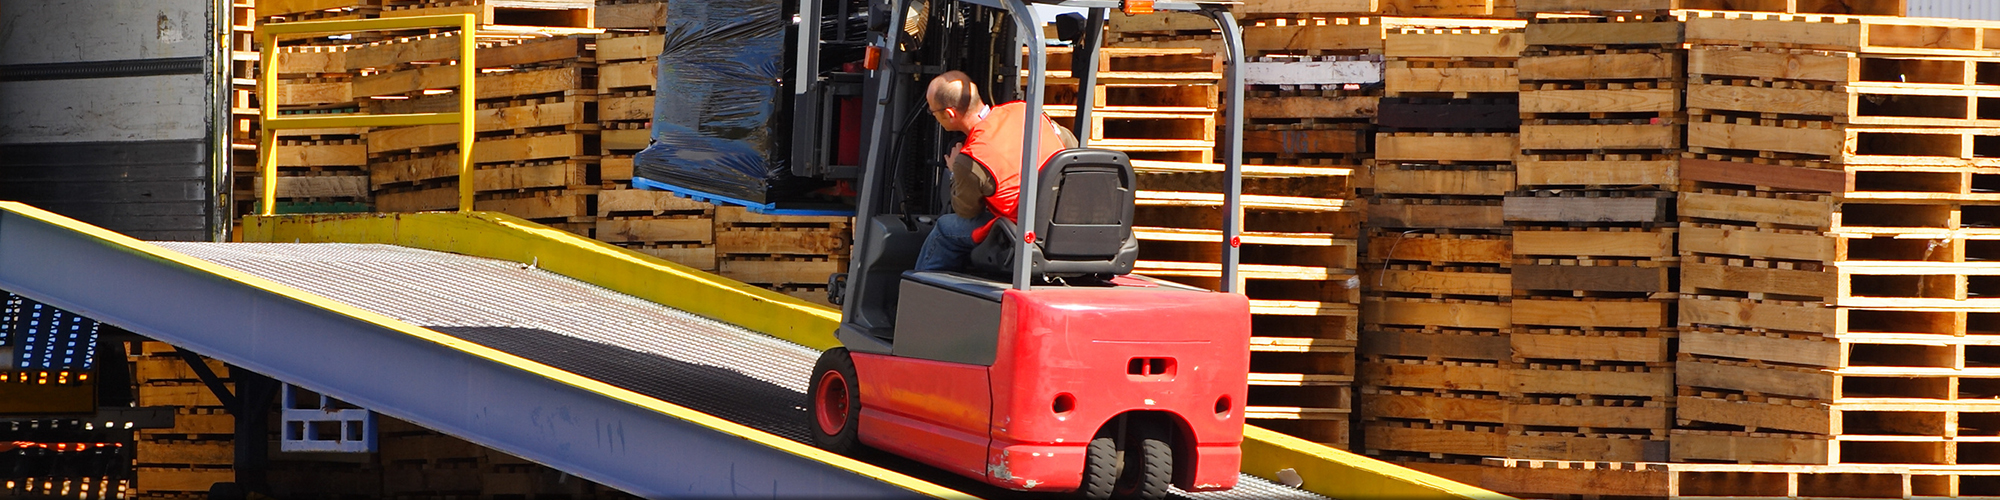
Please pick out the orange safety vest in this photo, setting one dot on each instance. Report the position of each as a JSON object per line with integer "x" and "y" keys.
{"x": 995, "y": 143}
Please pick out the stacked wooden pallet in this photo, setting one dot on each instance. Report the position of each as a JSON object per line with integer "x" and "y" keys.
{"x": 535, "y": 152}
{"x": 420, "y": 463}
{"x": 1298, "y": 262}
{"x": 1153, "y": 104}
{"x": 561, "y": 13}
{"x": 652, "y": 222}
{"x": 1835, "y": 211}
{"x": 1436, "y": 320}
{"x": 321, "y": 170}
{"x": 1593, "y": 227}
{"x": 317, "y": 10}
{"x": 793, "y": 254}
{"x": 199, "y": 450}
{"x": 1544, "y": 478}
{"x": 1300, "y": 241}
{"x": 1308, "y": 22}
{"x": 627, "y": 74}
{"x": 243, "y": 103}
{"x": 630, "y": 14}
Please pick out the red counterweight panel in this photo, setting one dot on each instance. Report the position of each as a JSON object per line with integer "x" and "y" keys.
{"x": 1111, "y": 351}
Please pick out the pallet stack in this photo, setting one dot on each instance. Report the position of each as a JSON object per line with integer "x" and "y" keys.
{"x": 1153, "y": 104}
{"x": 630, "y": 14}
{"x": 243, "y": 104}
{"x": 319, "y": 170}
{"x": 317, "y": 10}
{"x": 199, "y": 450}
{"x": 1436, "y": 321}
{"x": 791, "y": 254}
{"x": 563, "y": 13}
{"x": 535, "y": 155}
{"x": 1835, "y": 211}
{"x": 1298, "y": 249}
{"x": 656, "y": 223}
{"x": 1593, "y": 227}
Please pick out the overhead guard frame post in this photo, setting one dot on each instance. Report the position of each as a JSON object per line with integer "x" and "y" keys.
{"x": 267, "y": 94}
{"x": 1030, "y": 29}
{"x": 1083, "y": 66}
{"x": 1232, "y": 138}
{"x": 871, "y": 185}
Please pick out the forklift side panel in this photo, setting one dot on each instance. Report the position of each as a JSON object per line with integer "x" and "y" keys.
{"x": 942, "y": 324}
{"x": 931, "y": 411}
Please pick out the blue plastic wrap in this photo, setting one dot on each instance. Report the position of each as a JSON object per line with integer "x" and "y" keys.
{"x": 718, "y": 110}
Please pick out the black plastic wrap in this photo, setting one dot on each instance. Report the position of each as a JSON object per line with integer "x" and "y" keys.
{"x": 719, "y": 109}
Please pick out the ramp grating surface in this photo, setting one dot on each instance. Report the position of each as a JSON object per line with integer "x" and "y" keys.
{"x": 706, "y": 365}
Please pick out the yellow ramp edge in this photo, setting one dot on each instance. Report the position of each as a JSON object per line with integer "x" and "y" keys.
{"x": 169, "y": 257}
{"x": 1325, "y": 470}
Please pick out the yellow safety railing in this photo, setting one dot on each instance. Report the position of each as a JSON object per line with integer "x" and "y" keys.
{"x": 267, "y": 92}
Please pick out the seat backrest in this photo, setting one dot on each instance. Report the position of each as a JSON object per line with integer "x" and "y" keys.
{"x": 1083, "y": 221}
{"x": 1085, "y": 202}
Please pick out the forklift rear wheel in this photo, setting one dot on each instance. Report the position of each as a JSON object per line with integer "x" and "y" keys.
{"x": 835, "y": 396}
{"x": 1100, "y": 469}
{"x": 1147, "y": 475}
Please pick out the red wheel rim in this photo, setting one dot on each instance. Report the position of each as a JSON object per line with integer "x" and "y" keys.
{"x": 831, "y": 408}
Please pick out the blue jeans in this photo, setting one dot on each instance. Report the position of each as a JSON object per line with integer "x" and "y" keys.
{"x": 949, "y": 245}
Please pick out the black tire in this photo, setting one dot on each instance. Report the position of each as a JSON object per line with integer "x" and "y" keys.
{"x": 834, "y": 403}
{"x": 1101, "y": 468}
{"x": 1149, "y": 475}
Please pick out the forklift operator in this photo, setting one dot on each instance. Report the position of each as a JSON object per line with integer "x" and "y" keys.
{"x": 985, "y": 172}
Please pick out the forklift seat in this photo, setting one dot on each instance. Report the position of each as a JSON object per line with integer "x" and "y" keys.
{"x": 1083, "y": 220}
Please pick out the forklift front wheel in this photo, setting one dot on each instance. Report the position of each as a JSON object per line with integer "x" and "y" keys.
{"x": 835, "y": 396}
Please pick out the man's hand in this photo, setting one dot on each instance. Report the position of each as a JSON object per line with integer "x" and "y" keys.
{"x": 952, "y": 152}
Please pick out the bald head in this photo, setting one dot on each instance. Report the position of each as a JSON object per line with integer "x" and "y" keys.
{"x": 954, "y": 100}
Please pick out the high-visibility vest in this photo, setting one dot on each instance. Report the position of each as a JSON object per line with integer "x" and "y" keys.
{"x": 995, "y": 143}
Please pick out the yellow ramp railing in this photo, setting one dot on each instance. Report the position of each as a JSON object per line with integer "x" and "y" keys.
{"x": 267, "y": 93}
{"x": 1324, "y": 470}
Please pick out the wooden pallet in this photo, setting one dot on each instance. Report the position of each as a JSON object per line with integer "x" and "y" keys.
{"x": 630, "y": 14}
{"x": 658, "y": 223}
{"x": 1856, "y": 7}
{"x": 1435, "y": 214}
{"x": 1412, "y": 8}
{"x": 1451, "y": 63}
{"x": 199, "y": 450}
{"x": 779, "y": 250}
{"x": 1540, "y": 478}
{"x": 1606, "y": 31}
{"x": 553, "y": 13}
{"x": 1947, "y": 104}
{"x": 1441, "y": 249}
{"x": 302, "y": 10}
{"x": 1863, "y": 34}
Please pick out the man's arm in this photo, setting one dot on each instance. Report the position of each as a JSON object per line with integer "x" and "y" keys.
{"x": 969, "y": 185}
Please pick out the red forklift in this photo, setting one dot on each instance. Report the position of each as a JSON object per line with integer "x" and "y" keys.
{"x": 1047, "y": 366}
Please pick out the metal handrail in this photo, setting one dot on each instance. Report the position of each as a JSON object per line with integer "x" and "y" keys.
{"x": 267, "y": 93}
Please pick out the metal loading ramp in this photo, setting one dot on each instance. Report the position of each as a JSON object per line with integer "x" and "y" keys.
{"x": 606, "y": 386}
{"x": 657, "y": 351}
